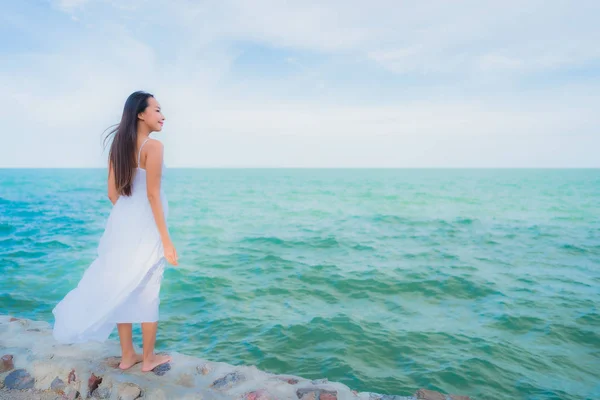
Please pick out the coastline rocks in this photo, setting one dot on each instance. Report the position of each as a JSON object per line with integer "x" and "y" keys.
{"x": 32, "y": 360}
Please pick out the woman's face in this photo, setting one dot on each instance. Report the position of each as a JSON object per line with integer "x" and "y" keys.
{"x": 152, "y": 115}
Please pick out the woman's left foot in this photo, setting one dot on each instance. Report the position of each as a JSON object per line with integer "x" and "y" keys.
{"x": 130, "y": 361}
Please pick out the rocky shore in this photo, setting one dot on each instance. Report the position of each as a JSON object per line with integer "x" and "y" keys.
{"x": 34, "y": 366}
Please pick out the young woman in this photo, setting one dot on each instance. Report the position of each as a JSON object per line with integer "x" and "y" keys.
{"x": 122, "y": 284}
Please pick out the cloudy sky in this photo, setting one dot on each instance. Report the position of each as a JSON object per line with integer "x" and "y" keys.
{"x": 329, "y": 83}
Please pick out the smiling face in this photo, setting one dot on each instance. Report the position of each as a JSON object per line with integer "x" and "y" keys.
{"x": 152, "y": 116}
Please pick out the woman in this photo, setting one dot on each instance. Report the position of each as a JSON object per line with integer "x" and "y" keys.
{"x": 122, "y": 284}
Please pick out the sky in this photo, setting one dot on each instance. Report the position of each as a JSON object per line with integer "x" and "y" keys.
{"x": 261, "y": 83}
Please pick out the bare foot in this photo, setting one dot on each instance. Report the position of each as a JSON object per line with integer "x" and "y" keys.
{"x": 154, "y": 361}
{"x": 129, "y": 361}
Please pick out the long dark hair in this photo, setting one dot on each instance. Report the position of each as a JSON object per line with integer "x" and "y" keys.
{"x": 122, "y": 150}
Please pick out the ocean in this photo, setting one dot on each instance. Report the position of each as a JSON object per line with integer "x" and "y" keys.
{"x": 481, "y": 282}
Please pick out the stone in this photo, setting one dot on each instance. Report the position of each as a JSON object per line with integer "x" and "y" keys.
{"x": 58, "y": 386}
{"x": 260, "y": 394}
{"x": 328, "y": 395}
{"x": 19, "y": 379}
{"x": 6, "y": 363}
{"x": 13, "y": 319}
{"x": 291, "y": 381}
{"x": 162, "y": 369}
{"x": 425, "y": 394}
{"x": 128, "y": 391}
{"x": 455, "y": 397}
{"x": 94, "y": 382}
{"x": 316, "y": 394}
{"x": 203, "y": 369}
{"x": 72, "y": 377}
{"x": 307, "y": 394}
{"x": 71, "y": 394}
{"x": 112, "y": 362}
{"x": 186, "y": 380}
{"x": 228, "y": 380}
{"x": 102, "y": 392}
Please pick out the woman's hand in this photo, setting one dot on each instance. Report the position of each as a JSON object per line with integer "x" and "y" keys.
{"x": 170, "y": 252}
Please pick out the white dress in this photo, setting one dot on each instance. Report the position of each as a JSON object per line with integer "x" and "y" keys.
{"x": 123, "y": 283}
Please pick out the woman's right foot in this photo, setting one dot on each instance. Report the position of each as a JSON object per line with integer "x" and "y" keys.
{"x": 154, "y": 361}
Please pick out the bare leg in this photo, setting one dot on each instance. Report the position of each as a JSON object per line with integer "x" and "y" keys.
{"x": 151, "y": 360}
{"x": 128, "y": 356}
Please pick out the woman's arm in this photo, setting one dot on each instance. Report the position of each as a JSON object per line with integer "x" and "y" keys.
{"x": 113, "y": 195}
{"x": 154, "y": 162}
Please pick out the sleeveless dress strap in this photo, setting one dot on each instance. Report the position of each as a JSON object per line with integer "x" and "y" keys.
{"x": 140, "y": 152}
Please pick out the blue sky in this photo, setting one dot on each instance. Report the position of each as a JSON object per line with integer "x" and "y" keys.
{"x": 257, "y": 83}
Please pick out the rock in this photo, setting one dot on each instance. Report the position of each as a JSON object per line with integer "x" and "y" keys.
{"x": 58, "y": 386}
{"x": 162, "y": 369}
{"x": 291, "y": 381}
{"x": 72, "y": 377}
{"x": 7, "y": 363}
{"x": 23, "y": 322}
{"x": 93, "y": 383}
{"x": 186, "y": 380}
{"x": 71, "y": 394}
{"x": 455, "y": 397}
{"x": 101, "y": 393}
{"x": 19, "y": 379}
{"x": 316, "y": 394}
{"x": 260, "y": 394}
{"x": 112, "y": 362}
{"x": 328, "y": 395}
{"x": 203, "y": 369}
{"x": 425, "y": 394}
{"x": 307, "y": 394}
{"x": 128, "y": 391}
{"x": 228, "y": 380}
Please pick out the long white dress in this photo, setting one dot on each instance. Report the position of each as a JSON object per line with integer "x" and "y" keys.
{"x": 123, "y": 283}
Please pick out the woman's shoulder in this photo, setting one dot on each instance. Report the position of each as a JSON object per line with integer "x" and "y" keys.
{"x": 154, "y": 150}
{"x": 155, "y": 143}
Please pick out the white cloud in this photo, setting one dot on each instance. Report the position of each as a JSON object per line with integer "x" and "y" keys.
{"x": 461, "y": 106}
{"x": 69, "y": 5}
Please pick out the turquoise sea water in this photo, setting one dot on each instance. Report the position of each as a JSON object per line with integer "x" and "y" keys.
{"x": 476, "y": 282}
